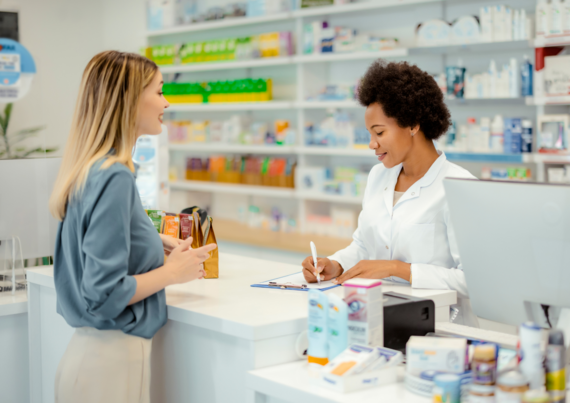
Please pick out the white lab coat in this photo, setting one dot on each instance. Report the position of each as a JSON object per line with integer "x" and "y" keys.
{"x": 416, "y": 230}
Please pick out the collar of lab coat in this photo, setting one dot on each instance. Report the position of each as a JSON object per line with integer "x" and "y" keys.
{"x": 414, "y": 190}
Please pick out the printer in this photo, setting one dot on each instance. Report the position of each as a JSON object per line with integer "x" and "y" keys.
{"x": 406, "y": 316}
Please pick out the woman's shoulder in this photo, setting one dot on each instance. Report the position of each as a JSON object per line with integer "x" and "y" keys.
{"x": 113, "y": 181}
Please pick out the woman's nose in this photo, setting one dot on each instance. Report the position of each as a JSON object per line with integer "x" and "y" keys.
{"x": 373, "y": 145}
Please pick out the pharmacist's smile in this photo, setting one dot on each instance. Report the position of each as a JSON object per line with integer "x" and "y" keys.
{"x": 381, "y": 156}
{"x": 160, "y": 118}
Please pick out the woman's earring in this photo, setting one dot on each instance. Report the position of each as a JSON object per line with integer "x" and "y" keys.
{"x": 413, "y": 134}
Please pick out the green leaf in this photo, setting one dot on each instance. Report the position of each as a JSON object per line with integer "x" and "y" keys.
{"x": 7, "y": 114}
{"x": 30, "y": 130}
{"x": 30, "y": 152}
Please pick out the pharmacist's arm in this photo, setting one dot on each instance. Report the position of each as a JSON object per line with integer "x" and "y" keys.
{"x": 442, "y": 278}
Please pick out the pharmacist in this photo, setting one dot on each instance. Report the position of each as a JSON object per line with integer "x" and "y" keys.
{"x": 404, "y": 231}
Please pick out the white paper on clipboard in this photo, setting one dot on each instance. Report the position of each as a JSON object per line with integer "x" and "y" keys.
{"x": 297, "y": 279}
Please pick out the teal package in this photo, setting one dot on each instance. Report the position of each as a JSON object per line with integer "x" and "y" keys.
{"x": 318, "y": 327}
{"x": 337, "y": 326}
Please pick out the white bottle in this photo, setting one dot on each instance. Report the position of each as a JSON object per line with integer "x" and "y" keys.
{"x": 486, "y": 21}
{"x": 542, "y": 18}
{"x": 492, "y": 79}
{"x": 514, "y": 83}
{"x": 555, "y": 26}
{"x": 497, "y": 129}
{"x": 485, "y": 130}
{"x": 473, "y": 136}
{"x": 566, "y": 18}
{"x": 508, "y": 30}
{"x": 462, "y": 138}
{"x": 516, "y": 25}
{"x": 523, "y": 28}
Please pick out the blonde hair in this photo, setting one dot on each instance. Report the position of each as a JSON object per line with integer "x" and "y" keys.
{"x": 105, "y": 117}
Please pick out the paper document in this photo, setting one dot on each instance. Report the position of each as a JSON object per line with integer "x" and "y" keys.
{"x": 296, "y": 279}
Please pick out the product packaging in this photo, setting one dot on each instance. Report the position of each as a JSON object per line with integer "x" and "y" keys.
{"x": 512, "y": 136}
{"x": 170, "y": 225}
{"x": 156, "y": 218}
{"x": 317, "y": 328}
{"x": 436, "y": 353}
{"x": 365, "y": 311}
{"x": 484, "y": 364}
{"x": 526, "y": 136}
{"x": 447, "y": 388}
{"x": 455, "y": 82}
{"x": 556, "y": 366}
{"x": 351, "y": 361}
{"x": 511, "y": 386}
{"x": 337, "y": 326}
{"x": 532, "y": 354}
{"x": 185, "y": 226}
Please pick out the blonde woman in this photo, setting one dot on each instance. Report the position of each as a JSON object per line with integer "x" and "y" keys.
{"x": 109, "y": 265}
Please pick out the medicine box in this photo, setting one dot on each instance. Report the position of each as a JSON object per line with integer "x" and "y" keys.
{"x": 557, "y": 75}
{"x": 436, "y": 353}
{"x": 365, "y": 311}
{"x": 360, "y": 381}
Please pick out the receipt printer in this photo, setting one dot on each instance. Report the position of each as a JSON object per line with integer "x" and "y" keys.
{"x": 406, "y": 316}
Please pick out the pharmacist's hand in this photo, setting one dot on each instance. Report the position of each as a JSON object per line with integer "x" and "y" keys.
{"x": 186, "y": 264}
{"x": 326, "y": 268}
{"x": 169, "y": 243}
{"x": 376, "y": 269}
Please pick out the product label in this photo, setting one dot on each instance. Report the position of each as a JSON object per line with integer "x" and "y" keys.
{"x": 484, "y": 373}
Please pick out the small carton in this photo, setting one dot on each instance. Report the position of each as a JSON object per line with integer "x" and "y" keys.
{"x": 445, "y": 354}
{"x": 365, "y": 311}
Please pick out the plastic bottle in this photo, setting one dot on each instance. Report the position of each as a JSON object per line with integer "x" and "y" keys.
{"x": 523, "y": 27}
{"x": 555, "y": 26}
{"x": 473, "y": 136}
{"x": 484, "y": 364}
{"x": 514, "y": 79}
{"x": 531, "y": 365}
{"x": 493, "y": 79}
{"x": 485, "y": 130}
{"x": 337, "y": 326}
{"x": 526, "y": 136}
{"x": 497, "y": 128}
{"x": 526, "y": 77}
{"x": 556, "y": 366}
{"x": 510, "y": 387}
{"x": 542, "y": 18}
{"x": 317, "y": 327}
{"x": 512, "y": 136}
{"x": 566, "y": 17}
{"x": 461, "y": 140}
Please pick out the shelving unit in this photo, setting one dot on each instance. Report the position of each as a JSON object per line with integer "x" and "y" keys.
{"x": 303, "y": 109}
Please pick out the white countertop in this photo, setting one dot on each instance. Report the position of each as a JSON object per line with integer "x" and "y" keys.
{"x": 13, "y": 304}
{"x": 293, "y": 380}
{"x": 230, "y": 305}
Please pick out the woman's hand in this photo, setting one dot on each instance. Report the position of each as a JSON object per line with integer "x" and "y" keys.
{"x": 327, "y": 269}
{"x": 377, "y": 269}
{"x": 186, "y": 264}
{"x": 169, "y": 243}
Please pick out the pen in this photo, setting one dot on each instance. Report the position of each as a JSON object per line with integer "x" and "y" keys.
{"x": 314, "y": 252}
{"x": 286, "y": 285}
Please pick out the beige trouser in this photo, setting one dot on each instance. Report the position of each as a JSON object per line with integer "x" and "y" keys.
{"x": 104, "y": 366}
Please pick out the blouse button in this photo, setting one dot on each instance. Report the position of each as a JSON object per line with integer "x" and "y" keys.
{"x": 385, "y": 188}
{"x": 413, "y": 193}
{"x": 387, "y": 247}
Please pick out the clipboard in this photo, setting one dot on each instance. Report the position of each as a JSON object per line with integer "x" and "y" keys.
{"x": 295, "y": 282}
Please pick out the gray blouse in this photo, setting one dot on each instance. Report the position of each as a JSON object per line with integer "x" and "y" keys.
{"x": 105, "y": 238}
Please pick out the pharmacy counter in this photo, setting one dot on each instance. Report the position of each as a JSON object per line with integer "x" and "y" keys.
{"x": 14, "y": 370}
{"x": 217, "y": 331}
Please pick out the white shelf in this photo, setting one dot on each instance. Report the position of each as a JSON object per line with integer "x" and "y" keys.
{"x": 486, "y": 47}
{"x": 349, "y": 152}
{"x": 308, "y": 12}
{"x": 232, "y": 148}
{"x": 219, "y": 24}
{"x": 231, "y": 106}
{"x": 227, "y": 65}
{"x": 336, "y": 57}
{"x": 347, "y": 104}
{"x": 549, "y": 42}
{"x": 551, "y": 158}
{"x": 203, "y": 186}
{"x": 557, "y": 100}
{"x": 329, "y": 198}
{"x": 489, "y": 101}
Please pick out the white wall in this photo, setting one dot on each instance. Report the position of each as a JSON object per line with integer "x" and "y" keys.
{"x": 63, "y": 35}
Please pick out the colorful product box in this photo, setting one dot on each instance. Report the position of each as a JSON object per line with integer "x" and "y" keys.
{"x": 365, "y": 311}
{"x": 444, "y": 354}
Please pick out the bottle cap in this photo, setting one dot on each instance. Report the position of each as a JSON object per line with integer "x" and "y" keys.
{"x": 485, "y": 352}
{"x": 512, "y": 378}
{"x": 556, "y": 337}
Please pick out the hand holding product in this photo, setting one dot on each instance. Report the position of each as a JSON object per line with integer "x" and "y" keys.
{"x": 327, "y": 268}
{"x": 185, "y": 263}
{"x": 169, "y": 243}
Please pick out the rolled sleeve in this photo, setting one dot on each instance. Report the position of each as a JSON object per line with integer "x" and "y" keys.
{"x": 106, "y": 286}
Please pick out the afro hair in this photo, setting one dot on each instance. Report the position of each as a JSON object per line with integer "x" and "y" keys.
{"x": 407, "y": 94}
